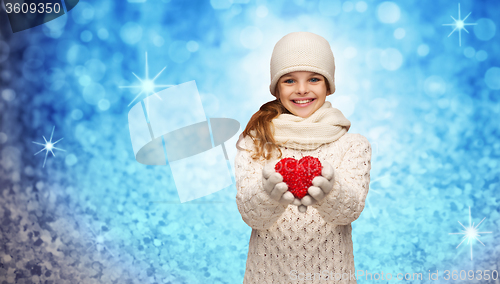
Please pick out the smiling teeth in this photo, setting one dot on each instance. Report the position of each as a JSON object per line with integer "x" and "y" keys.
{"x": 303, "y": 102}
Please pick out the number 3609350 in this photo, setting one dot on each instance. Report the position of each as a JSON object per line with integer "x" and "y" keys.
{"x": 470, "y": 275}
{"x": 41, "y": 8}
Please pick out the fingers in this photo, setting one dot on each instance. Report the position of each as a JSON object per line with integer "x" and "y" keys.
{"x": 308, "y": 200}
{"x": 278, "y": 191}
{"x": 287, "y": 198}
{"x": 302, "y": 208}
{"x": 327, "y": 171}
{"x": 268, "y": 169}
{"x": 316, "y": 193}
{"x": 321, "y": 182}
{"x": 269, "y": 183}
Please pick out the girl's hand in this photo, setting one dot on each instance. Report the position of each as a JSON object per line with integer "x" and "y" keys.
{"x": 322, "y": 185}
{"x": 273, "y": 184}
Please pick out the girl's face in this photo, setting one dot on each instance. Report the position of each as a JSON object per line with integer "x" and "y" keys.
{"x": 302, "y": 92}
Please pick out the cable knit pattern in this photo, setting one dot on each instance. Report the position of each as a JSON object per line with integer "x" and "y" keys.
{"x": 284, "y": 242}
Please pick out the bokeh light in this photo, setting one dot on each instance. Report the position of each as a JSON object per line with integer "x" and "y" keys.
{"x": 131, "y": 33}
{"x": 434, "y": 86}
{"x": 481, "y": 55}
{"x": 469, "y": 52}
{"x": 423, "y": 50}
{"x": 391, "y": 59}
{"x": 492, "y": 78}
{"x": 348, "y": 6}
{"x": 330, "y": 7}
{"x": 388, "y": 12}
{"x": 485, "y": 29}
{"x": 399, "y": 33}
{"x": 361, "y": 6}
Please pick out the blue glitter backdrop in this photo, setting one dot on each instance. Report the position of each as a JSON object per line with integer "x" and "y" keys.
{"x": 427, "y": 100}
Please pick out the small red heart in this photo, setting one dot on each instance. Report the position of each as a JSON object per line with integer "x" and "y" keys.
{"x": 298, "y": 175}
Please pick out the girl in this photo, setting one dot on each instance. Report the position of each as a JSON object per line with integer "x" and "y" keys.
{"x": 304, "y": 240}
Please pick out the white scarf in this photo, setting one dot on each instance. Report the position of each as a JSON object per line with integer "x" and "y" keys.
{"x": 325, "y": 125}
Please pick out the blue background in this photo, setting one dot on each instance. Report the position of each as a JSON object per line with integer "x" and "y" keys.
{"x": 428, "y": 105}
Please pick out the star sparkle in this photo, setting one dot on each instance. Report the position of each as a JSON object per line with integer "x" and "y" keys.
{"x": 367, "y": 202}
{"x": 98, "y": 240}
{"x": 48, "y": 146}
{"x": 470, "y": 233}
{"x": 147, "y": 85}
{"x": 460, "y": 25}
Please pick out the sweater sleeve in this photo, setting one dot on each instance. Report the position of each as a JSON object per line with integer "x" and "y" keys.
{"x": 345, "y": 202}
{"x": 256, "y": 207}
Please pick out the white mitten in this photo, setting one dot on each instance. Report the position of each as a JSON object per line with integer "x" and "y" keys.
{"x": 322, "y": 185}
{"x": 273, "y": 184}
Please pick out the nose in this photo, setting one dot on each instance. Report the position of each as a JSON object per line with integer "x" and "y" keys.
{"x": 302, "y": 88}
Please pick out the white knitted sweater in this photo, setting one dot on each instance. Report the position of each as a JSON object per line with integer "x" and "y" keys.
{"x": 287, "y": 246}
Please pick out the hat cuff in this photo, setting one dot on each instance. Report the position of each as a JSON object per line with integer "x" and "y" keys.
{"x": 282, "y": 72}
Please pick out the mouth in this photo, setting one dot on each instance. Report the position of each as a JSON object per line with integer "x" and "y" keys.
{"x": 303, "y": 102}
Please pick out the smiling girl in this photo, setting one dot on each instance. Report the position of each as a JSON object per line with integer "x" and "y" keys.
{"x": 306, "y": 240}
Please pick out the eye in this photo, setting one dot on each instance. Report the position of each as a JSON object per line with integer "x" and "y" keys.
{"x": 315, "y": 79}
{"x": 288, "y": 81}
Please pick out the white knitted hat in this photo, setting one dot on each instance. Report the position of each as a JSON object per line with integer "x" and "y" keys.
{"x": 302, "y": 51}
